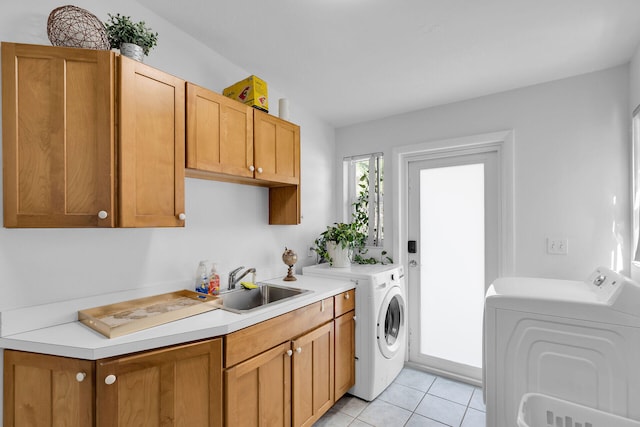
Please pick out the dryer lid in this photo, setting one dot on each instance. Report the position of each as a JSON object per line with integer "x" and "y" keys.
{"x": 604, "y": 291}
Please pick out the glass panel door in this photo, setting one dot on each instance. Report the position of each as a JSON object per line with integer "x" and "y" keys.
{"x": 453, "y": 217}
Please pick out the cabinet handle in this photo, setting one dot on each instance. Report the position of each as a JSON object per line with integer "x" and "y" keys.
{"x": 346, "y": 296}
{"x": 103, "y": 214}
{"x": 259, "y": 170}
{"x": 289, "y": 352}
{"x": 80, "y": 376}
{"x": 252, "y": 168}
{"x": 299, "y": 350}
{"x": 182, "y": 216}
{"x": 110, "y": 379}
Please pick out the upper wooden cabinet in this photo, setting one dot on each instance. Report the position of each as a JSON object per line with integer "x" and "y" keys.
{"x": 151, "y": 147}
{"x": 276, "y": 149}
{"x": 219, "y": 133}
{"x": 65, "y": 114}
{"x": 230, "y": 141}
{"x": 58, "y": 136}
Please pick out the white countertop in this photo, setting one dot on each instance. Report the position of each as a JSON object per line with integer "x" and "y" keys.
{"x": 74, "y": 339}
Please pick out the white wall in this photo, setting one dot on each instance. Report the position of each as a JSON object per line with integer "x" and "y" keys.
{"x": 571, "y": 161}
{"x": 225, "y": 222}
{"x": 634, "y": 86}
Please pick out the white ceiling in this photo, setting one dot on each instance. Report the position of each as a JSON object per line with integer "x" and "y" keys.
{"x": 350, "y": 61}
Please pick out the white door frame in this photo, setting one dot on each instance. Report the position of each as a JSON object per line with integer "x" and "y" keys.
{"x": 503, "y": 144}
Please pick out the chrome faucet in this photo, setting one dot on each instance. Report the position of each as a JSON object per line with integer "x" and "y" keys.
{"x": 232, "y": 276}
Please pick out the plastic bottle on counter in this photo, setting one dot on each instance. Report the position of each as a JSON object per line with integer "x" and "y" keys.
{"x": 202, "y": 278}
{"x": 214, "y": 280}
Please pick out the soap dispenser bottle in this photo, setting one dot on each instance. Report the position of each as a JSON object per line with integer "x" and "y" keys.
{"x": 214, "y": 280}
{"x": 202, "y": 278}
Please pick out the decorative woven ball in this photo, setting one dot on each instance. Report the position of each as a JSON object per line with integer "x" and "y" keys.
{"x": 72, "y": 26}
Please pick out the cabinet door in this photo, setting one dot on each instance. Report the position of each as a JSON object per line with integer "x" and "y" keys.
{"x": 43, "y": 390}
{"x": 345, "y": 353}
{"x": 57, "y": 136}
{"x": 151, "y": 146}
{"x": 258, "y": 391}
{"x": 312, "y": 375}
{"x": 344, "y": 302}
{"x": 276, "y": 149}
{"x": 219, "y": 133}
{"x": 176, "y": 386}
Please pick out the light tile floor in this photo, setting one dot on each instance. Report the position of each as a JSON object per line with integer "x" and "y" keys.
{"x": 415, "y": 398}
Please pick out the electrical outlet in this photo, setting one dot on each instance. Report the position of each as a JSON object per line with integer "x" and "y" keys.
{"x": 310, "y": 252}
{"x": 557, "y": 246}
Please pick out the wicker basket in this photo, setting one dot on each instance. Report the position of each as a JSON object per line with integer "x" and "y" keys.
{"x": 72, "y": 26}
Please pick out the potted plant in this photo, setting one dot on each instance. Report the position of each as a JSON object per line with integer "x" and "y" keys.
{"x": 134, "y": 40}
{"x": 337, "y": 243}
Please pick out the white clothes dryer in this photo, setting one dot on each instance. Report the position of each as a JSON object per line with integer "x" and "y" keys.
{"x": 574, "y": 340}
{"x": 381, "y": 330}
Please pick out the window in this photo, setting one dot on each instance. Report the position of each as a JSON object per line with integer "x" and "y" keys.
{"x": 365, "y": 189}
{"x": 635, "y": 167}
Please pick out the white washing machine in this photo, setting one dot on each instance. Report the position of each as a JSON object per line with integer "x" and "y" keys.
{"x": 381, "y": 330}
{"x": 573, "y": 340}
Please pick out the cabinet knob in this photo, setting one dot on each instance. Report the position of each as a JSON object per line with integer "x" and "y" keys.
{"x": 80, "y": 376}
{"x": 346, "y": 296}
{"x": 299, "y": 350}
{"x": 110, "y": 379}
{"x": 259, "y": 170}
{"x": 182, "y": 216}
{"x": 252, "y": 168}
{"x": 103, "y": 214}
{"x": 289, "y": 352}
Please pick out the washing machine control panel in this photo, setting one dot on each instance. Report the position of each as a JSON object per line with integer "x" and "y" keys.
{"x": 605, "y": 284}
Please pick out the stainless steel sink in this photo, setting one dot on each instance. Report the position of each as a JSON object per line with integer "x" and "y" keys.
{"x": 244, "y": 300}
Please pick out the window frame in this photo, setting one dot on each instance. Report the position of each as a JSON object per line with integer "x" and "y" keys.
{"x": 375, "y": 234}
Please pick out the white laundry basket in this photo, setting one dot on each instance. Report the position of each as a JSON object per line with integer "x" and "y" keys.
{"x": 539, "y": 410}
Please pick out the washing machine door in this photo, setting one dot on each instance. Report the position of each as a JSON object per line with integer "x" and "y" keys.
{"x": 391, "y": 323}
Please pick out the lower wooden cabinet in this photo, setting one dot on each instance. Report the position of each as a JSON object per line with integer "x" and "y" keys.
{"x": 258, "y": 391}
{"x": 345, "y": 353}
{"x": 44, "y": 390}
{"x": 285, "y": 371}
{"x": 175, "y": 386}
{"x": 312, "y": 375}
{"x": 289, "y": 385}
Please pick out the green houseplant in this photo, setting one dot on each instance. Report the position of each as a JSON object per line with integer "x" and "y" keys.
{"x": 350, "y": 237}
{"x": 121, "y": 31}
{"x": 343, "y": 236}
